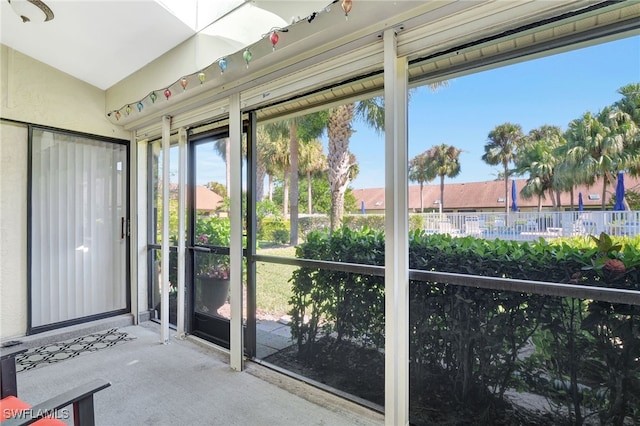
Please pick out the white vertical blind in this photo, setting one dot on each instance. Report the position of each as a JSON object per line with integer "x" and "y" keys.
{"x": 78, "y": 205}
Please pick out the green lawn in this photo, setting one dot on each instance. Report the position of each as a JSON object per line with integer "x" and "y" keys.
{"x": 273, "y": 286}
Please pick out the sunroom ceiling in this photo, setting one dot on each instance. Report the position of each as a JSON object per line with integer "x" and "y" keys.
{"x": 101, "y": 42}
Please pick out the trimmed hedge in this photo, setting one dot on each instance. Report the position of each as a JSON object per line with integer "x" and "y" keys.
{"x": 586, "y": 354}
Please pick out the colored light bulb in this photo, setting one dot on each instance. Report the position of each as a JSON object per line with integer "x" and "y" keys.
{"x": 247, "y": 56}
{"x": 184, "y": 82}
{"x": 222, "y": 63}
{"x": 274, "y": 39}
{"x": 140, "y": 106}
{"x": 167, "y": 93}
{"x": 346, "y": 6}
{"x": 153, "y": 97}
{"x": 202, "y": 76}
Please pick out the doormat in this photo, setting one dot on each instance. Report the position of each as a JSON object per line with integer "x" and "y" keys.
{"x": 56, "y": 352}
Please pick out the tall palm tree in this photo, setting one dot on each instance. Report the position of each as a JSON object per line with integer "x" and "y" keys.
{"x": 312, "y": 160}
{"x": 594, "y": 149}
{"x": 418, "y": 172}
{"x": 630, "y": 105}
{"x": 536, "y": 157}
{"x": 339, "y": 130}
{"x": 443, "y": 160}
{"x": 297, "y": 130}
{"x": 502, "y": 147}
{"x": 223, "y": 148}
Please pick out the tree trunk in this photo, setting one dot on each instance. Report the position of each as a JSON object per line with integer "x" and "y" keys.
{"x": 293, "y": 188}
{"x": 285, "y": 195}
{"x": 442, "y": 191}
{"x": 270, "y": 187}
{"x": 260, "y": 174}
{"x": 421, "y": 198}
{"x": 339, "y": 131}
{"x": 506, "y": 187}
{"x": 309, "y": 198}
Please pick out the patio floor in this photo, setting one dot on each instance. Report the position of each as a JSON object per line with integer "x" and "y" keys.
{"x": 184, "y": 382}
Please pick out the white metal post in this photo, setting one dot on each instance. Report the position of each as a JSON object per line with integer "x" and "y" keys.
{"x": 396, "y": 236}
{"x": 164, "y": 245}
{"x": 235, "y": 134}
{"x": 182, "y": 203}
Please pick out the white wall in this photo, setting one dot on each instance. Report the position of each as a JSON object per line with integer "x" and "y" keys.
{"x": 32, "y": 92}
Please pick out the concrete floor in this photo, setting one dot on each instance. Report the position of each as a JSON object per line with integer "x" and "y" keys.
{"x": 186, "y": 382}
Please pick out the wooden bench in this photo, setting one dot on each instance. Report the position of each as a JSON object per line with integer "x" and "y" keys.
{"x": 15, "y": 412}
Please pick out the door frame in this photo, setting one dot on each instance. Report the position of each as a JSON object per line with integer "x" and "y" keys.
{"x": 31, "y": 329}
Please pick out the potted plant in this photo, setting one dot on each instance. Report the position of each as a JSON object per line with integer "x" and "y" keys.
{"x": 212, "y": 270}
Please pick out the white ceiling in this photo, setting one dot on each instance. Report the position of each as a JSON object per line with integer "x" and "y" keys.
{"x": 103, "y": 41}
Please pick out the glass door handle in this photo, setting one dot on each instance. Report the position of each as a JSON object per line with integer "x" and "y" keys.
{"x": 122, "y": 230}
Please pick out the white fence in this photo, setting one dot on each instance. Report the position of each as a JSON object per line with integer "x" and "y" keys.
{"x": 525, "y": 226}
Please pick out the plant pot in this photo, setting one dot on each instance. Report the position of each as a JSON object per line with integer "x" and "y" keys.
{"x": 213, "y": 293}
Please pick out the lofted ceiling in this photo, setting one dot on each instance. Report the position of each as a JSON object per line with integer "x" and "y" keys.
{"x": 103, "y": 41}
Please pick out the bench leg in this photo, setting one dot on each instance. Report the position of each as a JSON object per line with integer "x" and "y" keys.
{"x": 83, "y": 414}
{"x": 8, "y": 383}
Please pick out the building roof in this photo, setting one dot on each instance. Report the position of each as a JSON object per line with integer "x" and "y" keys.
{"x": 487, "y": 195}
{"x": 206, "y": 199}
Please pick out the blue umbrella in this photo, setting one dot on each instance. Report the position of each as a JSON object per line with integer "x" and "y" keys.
{"x": 362, "y": 207}
{"x": 620, "y": 193}
{"x": 580, "y": 204}
{"x": 514, "y": 196}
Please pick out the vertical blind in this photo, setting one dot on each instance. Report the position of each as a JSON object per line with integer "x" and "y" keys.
{"x": 78, "y": 227}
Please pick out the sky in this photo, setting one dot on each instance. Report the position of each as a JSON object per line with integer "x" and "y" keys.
{"x": 552, "y": 90}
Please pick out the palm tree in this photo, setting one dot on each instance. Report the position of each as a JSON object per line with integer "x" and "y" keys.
{"x": 630, "y": 105}
{"x": 298, "y": 130}
{"x": 418, "y": 172}
{"x": 594, "y": 149}
{"x": 536, "y": 157}
{"x": 312, "y": 160}
{"x": 223, "y": 148}
{"x": 339, "y": 130}
{"x": 502, "y": 148}
{"x": 443, "y": 160}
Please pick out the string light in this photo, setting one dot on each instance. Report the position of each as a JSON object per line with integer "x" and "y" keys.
{"x": 274, "y": 38}
{"x": 222, "y": 63}
{"x": 247, "y": 56}
{"x": 346, "y": 6}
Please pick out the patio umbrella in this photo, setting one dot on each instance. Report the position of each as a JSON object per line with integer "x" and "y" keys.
{"x": 580, "y": 204}
{"x": 619, "y": 193}
{"x": 514, "y": 196}
{"x": 362, "y": 207}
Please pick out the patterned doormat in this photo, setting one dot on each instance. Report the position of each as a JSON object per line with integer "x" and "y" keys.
{"x": 56, "y": 352}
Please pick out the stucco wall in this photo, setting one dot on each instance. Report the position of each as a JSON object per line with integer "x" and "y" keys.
{"x": 32, "y": 92}
{"x": 36, "y": 93}
{"x": 13, "y": 230}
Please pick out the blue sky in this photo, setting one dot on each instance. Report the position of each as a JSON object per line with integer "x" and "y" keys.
{"x": 552, "y": 90}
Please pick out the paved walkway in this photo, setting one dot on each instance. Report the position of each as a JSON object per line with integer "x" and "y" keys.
{"x": 185, "y": 383}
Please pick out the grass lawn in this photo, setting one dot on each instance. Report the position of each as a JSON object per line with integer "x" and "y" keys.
{"x": 273, "y": 286}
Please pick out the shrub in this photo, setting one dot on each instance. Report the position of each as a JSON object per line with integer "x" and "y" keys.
{"x": 586, "y": 352}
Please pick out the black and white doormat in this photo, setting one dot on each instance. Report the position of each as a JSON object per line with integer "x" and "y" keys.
{"x": 55, "y": 352}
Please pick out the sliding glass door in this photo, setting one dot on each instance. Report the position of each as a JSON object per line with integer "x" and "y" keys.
{"x": 78, "y": 228}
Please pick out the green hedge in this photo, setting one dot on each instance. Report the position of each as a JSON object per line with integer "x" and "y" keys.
{"x": 586, "y": 354}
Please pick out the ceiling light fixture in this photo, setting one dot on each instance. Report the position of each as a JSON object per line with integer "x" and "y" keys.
{"x": 31, "y": 10}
